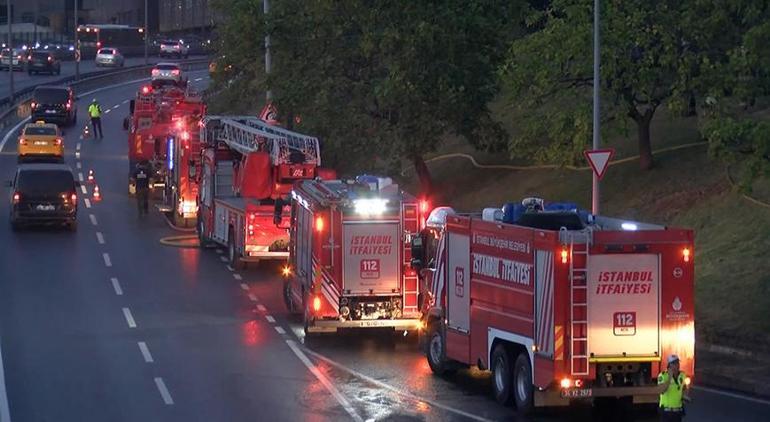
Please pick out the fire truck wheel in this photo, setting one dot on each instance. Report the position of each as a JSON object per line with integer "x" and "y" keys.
{"x": 502, "y": 374}
{"x": 235, "y": 258}
{"x": 524, "y": 394}
{"x": 202, "y": 239}
{"x": 436, "y": 352}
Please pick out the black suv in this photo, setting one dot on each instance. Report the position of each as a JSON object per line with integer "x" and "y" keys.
{"x": 42, "y": 61}
{"x": 44, "y": 193}
{"x": 54, "y": 104}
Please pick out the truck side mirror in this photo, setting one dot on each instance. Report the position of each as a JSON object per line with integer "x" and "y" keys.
{"x": 418, "y": 253}
{"x": 131, "y": 105}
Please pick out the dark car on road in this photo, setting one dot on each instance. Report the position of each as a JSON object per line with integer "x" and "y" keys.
{"x": 54, "y": 104}
{"x": 43, "y": 62}
{"x": 44, "y": 194}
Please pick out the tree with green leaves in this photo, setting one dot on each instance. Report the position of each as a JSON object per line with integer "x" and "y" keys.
{"x": 381, "y": 81}
{"x": 652, "y": 55}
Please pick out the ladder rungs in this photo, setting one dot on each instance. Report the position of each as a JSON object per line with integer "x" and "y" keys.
{"x": 579, "y": 338}
{"x": 579, "y": 356}
{"x": 580, "y": 322}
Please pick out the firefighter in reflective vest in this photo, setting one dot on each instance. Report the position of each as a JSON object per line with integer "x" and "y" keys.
{"x": 672, "y": 386}
{"x": 95, "y": 113}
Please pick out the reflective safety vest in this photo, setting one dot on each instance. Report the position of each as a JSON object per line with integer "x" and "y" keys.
{"x": 672, "y": 397}
{"x": 94, "y": 110}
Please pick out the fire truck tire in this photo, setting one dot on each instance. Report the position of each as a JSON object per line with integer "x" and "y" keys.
{"x": 524, "y": 390}
{"x": 202, "y": 239}
{"x": 436, "y": 352}
{"x": 502, "y": 375}
{"x": 232, "y": 252}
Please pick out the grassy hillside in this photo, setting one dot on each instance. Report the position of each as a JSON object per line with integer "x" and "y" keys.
{"x": 686, "y": 189}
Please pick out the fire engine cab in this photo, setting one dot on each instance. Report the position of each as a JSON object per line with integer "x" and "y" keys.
{"x": 350, "y": 253}
{"x": 247, "y": 170}
{"x": 557, "y": 303}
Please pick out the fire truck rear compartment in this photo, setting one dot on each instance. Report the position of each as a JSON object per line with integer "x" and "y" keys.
{"x": 369, "y": 308}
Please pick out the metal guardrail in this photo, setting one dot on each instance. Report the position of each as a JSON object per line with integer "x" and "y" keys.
{"x": 10, "y": 114}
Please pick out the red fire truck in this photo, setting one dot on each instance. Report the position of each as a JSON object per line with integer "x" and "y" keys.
{"x": 350, "y": 254}
{"x": 163, "y": 132}
{"x": 247, "y": 170}
{"x": 557, "y": 303}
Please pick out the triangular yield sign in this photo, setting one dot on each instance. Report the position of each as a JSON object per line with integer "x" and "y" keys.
{"x": 599, "y": 160}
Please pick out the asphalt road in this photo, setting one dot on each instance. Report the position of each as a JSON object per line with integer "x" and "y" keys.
{"x": 22, "y": 80}
{"x": 108, "y": 324}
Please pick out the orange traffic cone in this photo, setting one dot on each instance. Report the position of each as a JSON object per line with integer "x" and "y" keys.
{"x": 90, "y": 176}
{"x": 97, "y": 196}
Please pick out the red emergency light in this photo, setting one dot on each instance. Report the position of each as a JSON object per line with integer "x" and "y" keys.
{"x": 146, "y": 89}
{"x": 686, "y": 254}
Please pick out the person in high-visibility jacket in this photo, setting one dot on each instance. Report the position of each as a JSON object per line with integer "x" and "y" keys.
{"x": 95, "y": 112}
{"x": 673, "y": 385}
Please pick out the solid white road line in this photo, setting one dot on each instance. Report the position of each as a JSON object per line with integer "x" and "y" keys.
{"x": 129, "y": 318}
{"x": 100, "y": 238}
{"x": 77, "y": 147}
{"x": 252, "y": 297}
{"x": 83, "y": 189}
{"x": 116, "y": 286}
{"x": 324, "y": 381}
{"x": 223, "y": 258}
{"x": 78, "y": 165}
{"x": 163, "y": 391}
{"x": 237, "y": 277}
{"x": 280, "y": 330}
{"x": 245, "y": 286}
{"x": 93, "y": 219}
{"x": 391, "y": 388}
{"x": 262, "y": 308}
{"x": 87, "y": 202}
{"x": 11, "y": 132}
{"x": 270, "y": 319}
{"x": 5, "y": 411}
{"x": 107, "y": 260}
{"x": 145, "y": 352}
{"x": 732, "y": 395}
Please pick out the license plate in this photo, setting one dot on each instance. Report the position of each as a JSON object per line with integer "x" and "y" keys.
{"x": 41, "y": 143}
{"x": 50, "y": 111}
{"x": 48, "y": 207}
{"x": 577, "y": 393}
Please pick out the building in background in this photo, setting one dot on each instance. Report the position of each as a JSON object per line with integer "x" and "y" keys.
{"x": 185, "y": 16}
{"x": 122, "y": 12}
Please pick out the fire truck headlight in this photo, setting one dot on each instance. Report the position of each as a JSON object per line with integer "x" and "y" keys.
{"x": 370, "y": 206}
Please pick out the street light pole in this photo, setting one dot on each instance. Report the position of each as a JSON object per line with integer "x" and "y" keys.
{"x": 10, "y": 51}
{"x": 146, "y": 33}
{"x": 596, "y": 128}
{"x": 268, "y": 56}
{"x": 77, "y": 44}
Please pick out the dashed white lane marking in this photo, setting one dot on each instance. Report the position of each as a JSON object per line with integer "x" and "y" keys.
{"x": 5, "y": 411}
{"x": 245, "y": 286}
{"x": 107, "y": 260}
{"x": 223, "y": 258}
{"x": 220, "y": 251}
{"x": 198, "y": 79}
{"x": 100, "y": 238}
{"x": 77, "y": 154}
{"x": 129, "y": 318}
{"x": 163, "y": 391}
{"x": 115, "y": 106}
{"x": 125, "y": 101}
{"x": 93, "y": 219}
{"x": 261, "y": 307}
{"x": 324, "y": 381}
{"x": 78, "y": 165}
{"x": 230, "y": 268}
{"x": 87, "y": 202}
{"x": 237, "y": 277}
{"x": 77, "y": 147}
{"x": 83, "y": 189}
{"x": 388, "y": 387}
{"x": 107, "y": 111}
{"x": 116, "y": 286}
{"x": 270, "y": 319}
{"x": 80, "y": 177}
{"x": 733, "y": 395}
{"x": 145, "y": 352}
{"x": 280, "y": 330}
{"x": 252, "y": 297}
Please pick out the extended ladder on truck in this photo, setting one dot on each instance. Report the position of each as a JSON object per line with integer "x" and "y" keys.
{"x": 246, "y": 134}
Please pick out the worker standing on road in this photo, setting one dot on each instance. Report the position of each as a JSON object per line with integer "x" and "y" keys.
{"x": 673, "y": 385}
{"x": 142, "y": 177}
{"x": 95, "y": 112}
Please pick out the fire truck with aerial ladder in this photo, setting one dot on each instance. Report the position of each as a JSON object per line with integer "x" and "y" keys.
{"x": 559, "y": 304}
{"x": 350, "y": 254}
{"x": 247, "y": 169}
{"x": 163, "y": 133}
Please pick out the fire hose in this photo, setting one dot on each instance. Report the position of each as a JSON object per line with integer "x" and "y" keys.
{"x": 189, "y": 241}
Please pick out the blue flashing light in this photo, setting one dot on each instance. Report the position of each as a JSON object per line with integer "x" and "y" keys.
{"x": 170, "y": 153}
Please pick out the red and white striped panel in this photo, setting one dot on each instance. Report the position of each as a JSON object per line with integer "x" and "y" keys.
{"x": 544, "y": 330}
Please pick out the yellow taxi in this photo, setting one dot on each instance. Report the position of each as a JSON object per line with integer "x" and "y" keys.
{"x": 41, "y": 140}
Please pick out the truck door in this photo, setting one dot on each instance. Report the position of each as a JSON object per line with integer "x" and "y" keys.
{"x": 303, "y": 244}
{"x": 458, "y": 295}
